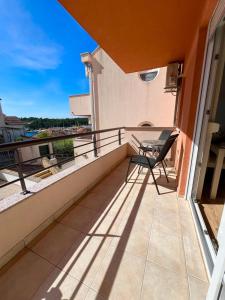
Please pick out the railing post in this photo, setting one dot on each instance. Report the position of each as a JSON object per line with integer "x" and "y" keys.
{"x": 95, "y": 146}
{"x": 119, "y": 137}
{"x": 20, "y": 173}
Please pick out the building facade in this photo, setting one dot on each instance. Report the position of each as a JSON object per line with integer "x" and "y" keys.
{"x": 117, "y": 98}
{"x": 11, "y": 128}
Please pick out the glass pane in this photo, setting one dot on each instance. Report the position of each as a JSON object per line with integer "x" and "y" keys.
{"x": 148, "y": 76}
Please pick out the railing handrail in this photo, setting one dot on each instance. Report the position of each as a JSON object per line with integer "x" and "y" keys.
{"x": 30, "y": 142}
{"x": 149, "y": 128}
{"x": 19, "y": 164}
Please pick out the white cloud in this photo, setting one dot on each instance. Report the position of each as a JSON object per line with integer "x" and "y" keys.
{"x": 23, "y": 42}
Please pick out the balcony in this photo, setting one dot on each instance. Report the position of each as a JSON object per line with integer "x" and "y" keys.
{"x": 80, "y": 105}
{"x": 85, "y": 234}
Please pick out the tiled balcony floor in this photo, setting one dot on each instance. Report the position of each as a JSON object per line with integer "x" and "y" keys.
{"x": 119, "y": 242}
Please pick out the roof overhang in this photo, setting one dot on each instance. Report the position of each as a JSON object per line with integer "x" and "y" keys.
{"x": 139, "y": 35}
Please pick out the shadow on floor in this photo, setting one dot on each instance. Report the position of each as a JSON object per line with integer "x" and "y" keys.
{"x": 105, "y": 195}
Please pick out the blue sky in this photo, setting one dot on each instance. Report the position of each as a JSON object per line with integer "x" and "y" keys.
{"x": 40, "y": 65}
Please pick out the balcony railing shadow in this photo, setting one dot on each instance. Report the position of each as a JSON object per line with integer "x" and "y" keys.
{"x": 114, "y": 187}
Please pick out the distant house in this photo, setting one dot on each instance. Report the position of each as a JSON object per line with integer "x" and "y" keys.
{"x": 11, "y": 128}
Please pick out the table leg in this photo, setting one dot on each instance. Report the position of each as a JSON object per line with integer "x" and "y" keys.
{"x": 216, "y": 174}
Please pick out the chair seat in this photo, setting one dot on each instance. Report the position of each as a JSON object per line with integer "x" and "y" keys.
{"x": 143, "y": 161}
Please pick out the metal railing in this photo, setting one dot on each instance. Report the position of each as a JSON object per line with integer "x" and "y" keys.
{"x": 19, "y": 164}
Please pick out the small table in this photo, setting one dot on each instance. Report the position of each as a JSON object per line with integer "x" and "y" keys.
{"x": 219, "y": 150}
{"x": 152, "y": 143}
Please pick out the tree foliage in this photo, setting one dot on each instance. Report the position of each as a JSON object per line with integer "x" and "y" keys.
{"x": 42, "y": 135}
{"x": 64, "y": 147}
{"x": 33, "y": 123}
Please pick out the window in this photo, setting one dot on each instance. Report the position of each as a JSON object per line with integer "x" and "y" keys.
{"x": 145, "y": 123}
{"x": 44, "y": 150}
{"x": 149, "y": 75}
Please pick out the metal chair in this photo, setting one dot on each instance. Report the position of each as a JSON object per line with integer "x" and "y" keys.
{"x": 152, "y": 162}
{"x": 156, "y": 145}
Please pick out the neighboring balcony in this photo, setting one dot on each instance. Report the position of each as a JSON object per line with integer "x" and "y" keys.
{"x": 80, "y": 105}
{"x": 103, "y": 238}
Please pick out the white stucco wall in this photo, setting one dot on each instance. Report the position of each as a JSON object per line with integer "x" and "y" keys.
{"x": 31, "y": 152}
{"x": 80, "y": 105}
{"x": 124, "y": 99}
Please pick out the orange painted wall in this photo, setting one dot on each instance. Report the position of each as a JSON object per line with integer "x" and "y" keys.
{"x": 189, "y": 95}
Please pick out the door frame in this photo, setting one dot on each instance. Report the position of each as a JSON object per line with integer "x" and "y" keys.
{"x": 201, "y": 124}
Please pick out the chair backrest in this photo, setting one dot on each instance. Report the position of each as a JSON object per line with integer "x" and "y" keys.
{"x": 165, "y": 134}
{"x": 166, "y": 147}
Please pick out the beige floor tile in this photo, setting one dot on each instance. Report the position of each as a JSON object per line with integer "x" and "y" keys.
{"x": 107, "y": 226}
{"x": 120, "y": 276}
{"x": 167, "y": 251}
{"x": 80, "y": 218}
{"x": 187, "y": 223}
{"x": 95, "y": 201}
{"x": 23, "y": 277}
{"x": 163, "y": 228}
{"x": 59, "y": 285}
{"x": 133, "y": 240}
{"x": 184, "y": 206}
{"x": 83, "y": 262}
{"x": 188, "y": 227}
{"x": 194, "y": 260}
{"x": 188, "y": 230}
{"x": 162, "y": 284}
{"x": 140, "y": 215}
{"x": 54, "y": 243}
{"x": 93, "y": 295}
{"x": 167, "y": 202}
{"x": 169, "y": 220}
{"x": 108, "y": 189}
{"x": 118, "y": 205}
{"x": 114, "y": 205}
{"x": 144, "y": 204}
{"x": 134, "y": 224}
{"x": 198, "y": 288}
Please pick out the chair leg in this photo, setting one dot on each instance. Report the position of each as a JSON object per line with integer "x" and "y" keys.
{"x": 160, "y": 173}
{"x": 165, "y": 163}
{"x": 153, "y": 176}
{"x": 139, "y": 169}
{"x": 167, "y": 179}
{"x": 128, "y": 171}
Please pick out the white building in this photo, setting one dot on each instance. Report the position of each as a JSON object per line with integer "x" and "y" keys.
{"x": 11, "y": 128}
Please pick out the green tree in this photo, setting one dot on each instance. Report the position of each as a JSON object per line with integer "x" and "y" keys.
{"x": 63, "y": 148}
{"x": 33, "y": 123}
{"x": 43, "y": 134}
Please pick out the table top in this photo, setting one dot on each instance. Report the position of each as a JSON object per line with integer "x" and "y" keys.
{"x": 150, "y": 143}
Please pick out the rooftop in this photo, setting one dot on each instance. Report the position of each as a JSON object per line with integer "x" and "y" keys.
{"x": 120, "y": 241}
{"x": 13, "y": 120}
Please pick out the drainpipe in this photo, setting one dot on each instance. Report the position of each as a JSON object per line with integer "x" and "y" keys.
{"x": 89, "y": 72}
{"x": 2, "y": 119}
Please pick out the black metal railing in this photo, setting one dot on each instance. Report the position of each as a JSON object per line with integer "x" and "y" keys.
{"x": 17, "y": 164}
